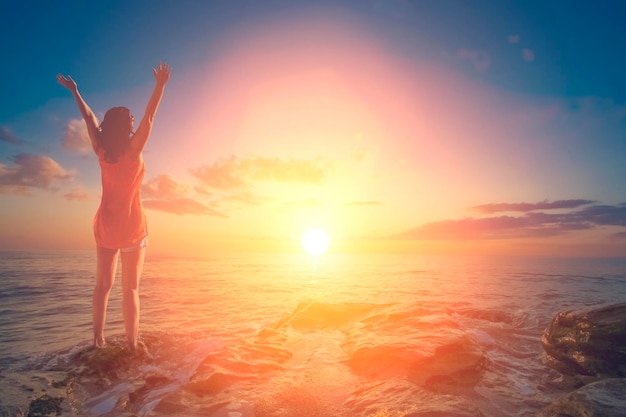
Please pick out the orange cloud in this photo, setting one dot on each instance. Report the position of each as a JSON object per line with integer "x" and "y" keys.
{"x": 163, "y": 193}
{"x": 222, "y": 175}
{"x": 76, "y": 195}
{"x": 233, "y": 172}
{"x": 31, "y": 171}
{"x": 182, "y": 206}
{"x": 163, "y": 187}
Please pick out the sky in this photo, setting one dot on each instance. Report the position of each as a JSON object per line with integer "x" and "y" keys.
{"x": 473, "y": 127}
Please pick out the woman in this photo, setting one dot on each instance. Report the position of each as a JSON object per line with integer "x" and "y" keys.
{"x": 120, "y": 222}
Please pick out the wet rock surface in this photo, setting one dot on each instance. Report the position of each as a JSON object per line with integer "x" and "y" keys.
{"x": 45, "y": 406}
{"x": 588, "y": 342}
{"x": 605, "y": 398}
{"x": 589, "y": 346}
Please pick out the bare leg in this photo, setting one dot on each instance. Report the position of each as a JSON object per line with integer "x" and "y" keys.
{"x": 105, "y": 276}
{"x": 132, "y": 266}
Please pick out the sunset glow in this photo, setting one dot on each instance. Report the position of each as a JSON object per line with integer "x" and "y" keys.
{"x": 315, "y": 242}
{"x": 343, "y": 208}
{"x": 398, "y": 128}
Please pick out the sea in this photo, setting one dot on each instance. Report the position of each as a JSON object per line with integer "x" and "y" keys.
{"x": 241, "y": 335}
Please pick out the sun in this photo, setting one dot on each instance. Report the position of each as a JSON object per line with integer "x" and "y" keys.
{"x": 315, "y": 242}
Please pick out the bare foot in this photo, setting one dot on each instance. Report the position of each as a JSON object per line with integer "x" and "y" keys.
{"x": 140, "y": 350}
{"x": 99, "y": 342}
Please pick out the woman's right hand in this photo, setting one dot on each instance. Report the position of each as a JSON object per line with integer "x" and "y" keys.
{"x": 68, "y": 82}
{"x": 162, "y": 73}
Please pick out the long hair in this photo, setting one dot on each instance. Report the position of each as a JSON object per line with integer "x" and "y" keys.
{"x": 115, "y": 131}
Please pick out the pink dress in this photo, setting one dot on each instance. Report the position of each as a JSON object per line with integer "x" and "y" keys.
{"x": 120, "y": 221}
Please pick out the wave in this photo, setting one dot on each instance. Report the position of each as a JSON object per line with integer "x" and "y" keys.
{"x": 330, "y": 357}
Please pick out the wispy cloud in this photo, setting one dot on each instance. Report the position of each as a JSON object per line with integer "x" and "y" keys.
{"x": 528, "y": 55}
{"x": 163, "y": 193}
{"x": 77, "y": 194}
{"x": 525, "y": 207}
{"x": 604, "y": 215}
{"x": 31, "y": 172}
{"x": 228, "y": 184}
{"x": 182, "y": 206}
{"x": 530, "y": 224}
{"x": 163, "y": 187}
{"x": 8, "y": 137}
{"x": 513, "y": 38}
{"x": 479, "y": 59}
{"x": 244, "y": 198}
{"x": 233, "y": 173}
{"x": 76, "y": 137}
{"x": 222, "y": 175}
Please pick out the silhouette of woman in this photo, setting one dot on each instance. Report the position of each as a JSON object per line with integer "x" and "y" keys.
{"x": 120, "y": 223}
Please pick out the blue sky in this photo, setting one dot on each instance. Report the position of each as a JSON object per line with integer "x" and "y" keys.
{"x": 558, "y": 64}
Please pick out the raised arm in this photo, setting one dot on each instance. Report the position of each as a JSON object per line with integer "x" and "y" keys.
{"x": 140, "y": 138}
{"x": 90, "y": 118}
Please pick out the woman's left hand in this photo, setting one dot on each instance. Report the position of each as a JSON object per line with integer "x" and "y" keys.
{"x": 68, "y": 82}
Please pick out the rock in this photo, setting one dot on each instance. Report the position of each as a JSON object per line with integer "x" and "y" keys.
{"x": 588, "y": 342}
{"x": 45, "y": 406}
{"x": 605, "y": 398}
{"x": 460, "y": 363}
{"x": 10, "y": 411}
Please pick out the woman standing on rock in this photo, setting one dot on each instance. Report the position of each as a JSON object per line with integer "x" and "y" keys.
{"x": 120, "y": 223}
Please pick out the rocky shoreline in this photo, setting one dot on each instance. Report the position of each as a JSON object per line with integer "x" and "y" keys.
{"x": 588, "y": 346}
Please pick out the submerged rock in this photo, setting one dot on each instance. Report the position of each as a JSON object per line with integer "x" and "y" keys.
{"x": 45, "y": 406}
{"x": 460, "y": 363}
{"x": 588, "y": 342}
{"x": 605, "y": 398}
{"x": 10, "y": 411}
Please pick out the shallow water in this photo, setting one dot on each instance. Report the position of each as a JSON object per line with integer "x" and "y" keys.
{"x": 263, "y": 335}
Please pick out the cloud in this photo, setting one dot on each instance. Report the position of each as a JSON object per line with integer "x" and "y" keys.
{"x": 235, "y": 173}
{"x": 467, "y": 229}
{"x": 7, "y": 136}
{"x": 77, "y": 194}
{"x": 362, "y": 203}
{"x": 618, "y": 236}
{"x": 531, "y": 224}
{"x": 528, "y": 55}
{"x": 76, "y": 137}
{"x": 31, "y": 171}
{"x": 513, "y": 38}
{"x": 162, "y": 187}
{"x": 525, "y": 207}
{"x": 604, "y": 215}
{"x": 244, "y": 198}
{"x": 222, "y": 175}
{"x": 163, "y": 193}
{"x": 479, "y": 59}
{"x": 182, "y": 206}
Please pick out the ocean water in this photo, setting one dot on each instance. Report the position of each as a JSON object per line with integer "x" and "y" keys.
{"x": 265, "y": 335}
